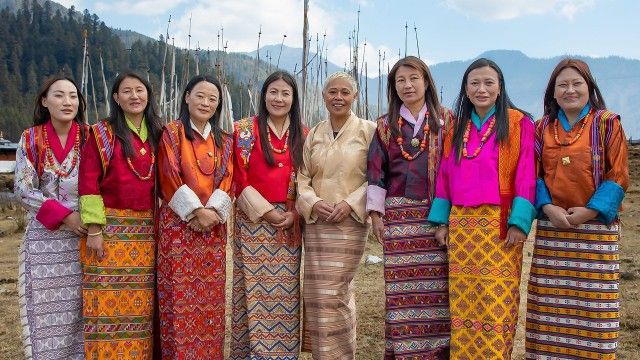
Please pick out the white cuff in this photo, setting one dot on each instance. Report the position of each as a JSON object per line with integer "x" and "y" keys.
{"x": 184, "y": 201}
{"x": 221, "y": 202}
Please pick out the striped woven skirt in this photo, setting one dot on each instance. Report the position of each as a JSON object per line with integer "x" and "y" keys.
{"x": 332, "y": 254}
{"x": 417, "y": 321}
{"x": 573, "y": 299}
{"x": 191, "y": 281}
{"x": 118, "y": 290}
{"x": 265, "y": 321}
{"x": 50, "y": 289}
{"x": 484, "y": 281}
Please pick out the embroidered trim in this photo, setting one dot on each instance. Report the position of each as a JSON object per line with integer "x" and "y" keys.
{"x": 33, "y": 144}
{"x": 383, "y": 131}
{"x": 105, "y": 139}
{"x": 172, "y": 131}
{"x": 246, "y": 139}
{"x": 227, "y": 150}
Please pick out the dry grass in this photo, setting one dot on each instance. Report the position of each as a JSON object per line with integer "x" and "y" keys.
{"x": 370, "y": 288}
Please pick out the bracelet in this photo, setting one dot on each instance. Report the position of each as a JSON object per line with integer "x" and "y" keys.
{"x": 95, "y": 233}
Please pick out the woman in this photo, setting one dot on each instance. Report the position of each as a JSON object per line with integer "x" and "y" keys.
{"x": 402, "y": 164}
{"x": 484, "y": 206}
{"x": 195, "y": 173}
{"x": 332, "y": 194}
{"x": 572, "y": 304}
{"x": 46, "y": 178}
{"x": 267, "y": 240}
{"x": 116, "y": 202}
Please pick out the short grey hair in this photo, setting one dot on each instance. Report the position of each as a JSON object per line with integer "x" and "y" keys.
{"x": 341, "y": 75}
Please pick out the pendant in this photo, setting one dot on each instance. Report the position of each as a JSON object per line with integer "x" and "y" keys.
{"x": 280, "y": 164}
{"x": 566, "y": 160}
{"x": 415, "y": 142}
{"x": 143, "y": 151}
{"x": 210, "y": 154}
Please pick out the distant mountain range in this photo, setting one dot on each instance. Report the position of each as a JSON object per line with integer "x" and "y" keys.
{"x": 526, "y": 79}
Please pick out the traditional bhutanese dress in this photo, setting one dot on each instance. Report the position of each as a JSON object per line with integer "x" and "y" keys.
{"x": 191, "y": 265}
{"x": 118, "y": 291}
{"x": 480, "y": 197}
{"x": 415, "y": 265}
{"x": 573, "y": 296}
{"x": 334, "y": 170}
{"x": 50, "y": 275}
{"x": 265, "y": 323}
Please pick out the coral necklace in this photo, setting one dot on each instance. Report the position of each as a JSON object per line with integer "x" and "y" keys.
{"x": 465, "y": 138}
{"x": 149, "y": 173}
{"x": 423, "y": 143}
{"x": 49, "y": 153}
{"x": 570, "y": 140}
{"x": 286, "y": 142}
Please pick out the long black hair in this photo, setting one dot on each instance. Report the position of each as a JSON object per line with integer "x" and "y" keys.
{"x": 185, "y": 117}
{"x": 596, "y": 101}
{"x": 295, "y": 125}
{"x": 463, "y": 106}
{"x": 430, "y": 94}
{"x": 118, "y": 123}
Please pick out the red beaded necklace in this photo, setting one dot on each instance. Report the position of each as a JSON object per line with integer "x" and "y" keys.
{"x": 570, "y": 139}
{"x": 465, "y": 139}
{"x": 286, "y": 142}
{"x": 149, "y": 173}
{"x": 58, "y": 170}
{"x": 148, "y": 176}
{"x": 423, "y": 143}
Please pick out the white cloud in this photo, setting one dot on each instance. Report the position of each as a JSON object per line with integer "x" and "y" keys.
{"x": 143, "y": 8}
{"x": 241, "y": 21}
{"x": 512, "y": 9}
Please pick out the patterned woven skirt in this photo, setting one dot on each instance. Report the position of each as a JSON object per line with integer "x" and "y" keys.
{"x": 265, "y": 321}
{"x": 118, "y": 290}
{"x": 332, "y": 254}
{"x": 417, "y": 321}
{"x": 484, "y": 281}
{"x": 50, "y": 288}
{"x": 191, "y": 280}
{"x": 572, "y": 305}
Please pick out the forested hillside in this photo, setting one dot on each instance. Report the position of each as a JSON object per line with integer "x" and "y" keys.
{"x": 38, "y": 39}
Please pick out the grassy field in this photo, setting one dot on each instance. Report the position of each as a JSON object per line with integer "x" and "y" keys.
{"x": 370, "y": 286}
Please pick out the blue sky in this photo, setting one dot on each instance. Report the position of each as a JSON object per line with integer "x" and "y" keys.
{"x": 447, "y": 29}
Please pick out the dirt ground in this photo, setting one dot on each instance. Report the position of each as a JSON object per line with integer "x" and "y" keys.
{"x": 370, "y": 286}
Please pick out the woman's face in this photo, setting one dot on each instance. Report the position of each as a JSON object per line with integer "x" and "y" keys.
{"x": 202, "y": 101}
{"x": 62, "y": 101}
{"x": 483, "y": 88}
{"x": 571, "y": 91}
{"x": 132, "y": 96}
{"x": 410, "y": 86}
{"x": 279, "y": 98}
{"x": 338, "y": 97}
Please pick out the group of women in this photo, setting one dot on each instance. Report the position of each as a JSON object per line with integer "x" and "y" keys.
{"x": 124, "y": 253}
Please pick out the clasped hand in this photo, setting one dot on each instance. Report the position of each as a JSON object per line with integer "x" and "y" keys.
{"x": 566, "y": 219}
{"x": 331, "y": 213}
{"x": 279, "y": 219}
{"x": 204, "y": 220}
